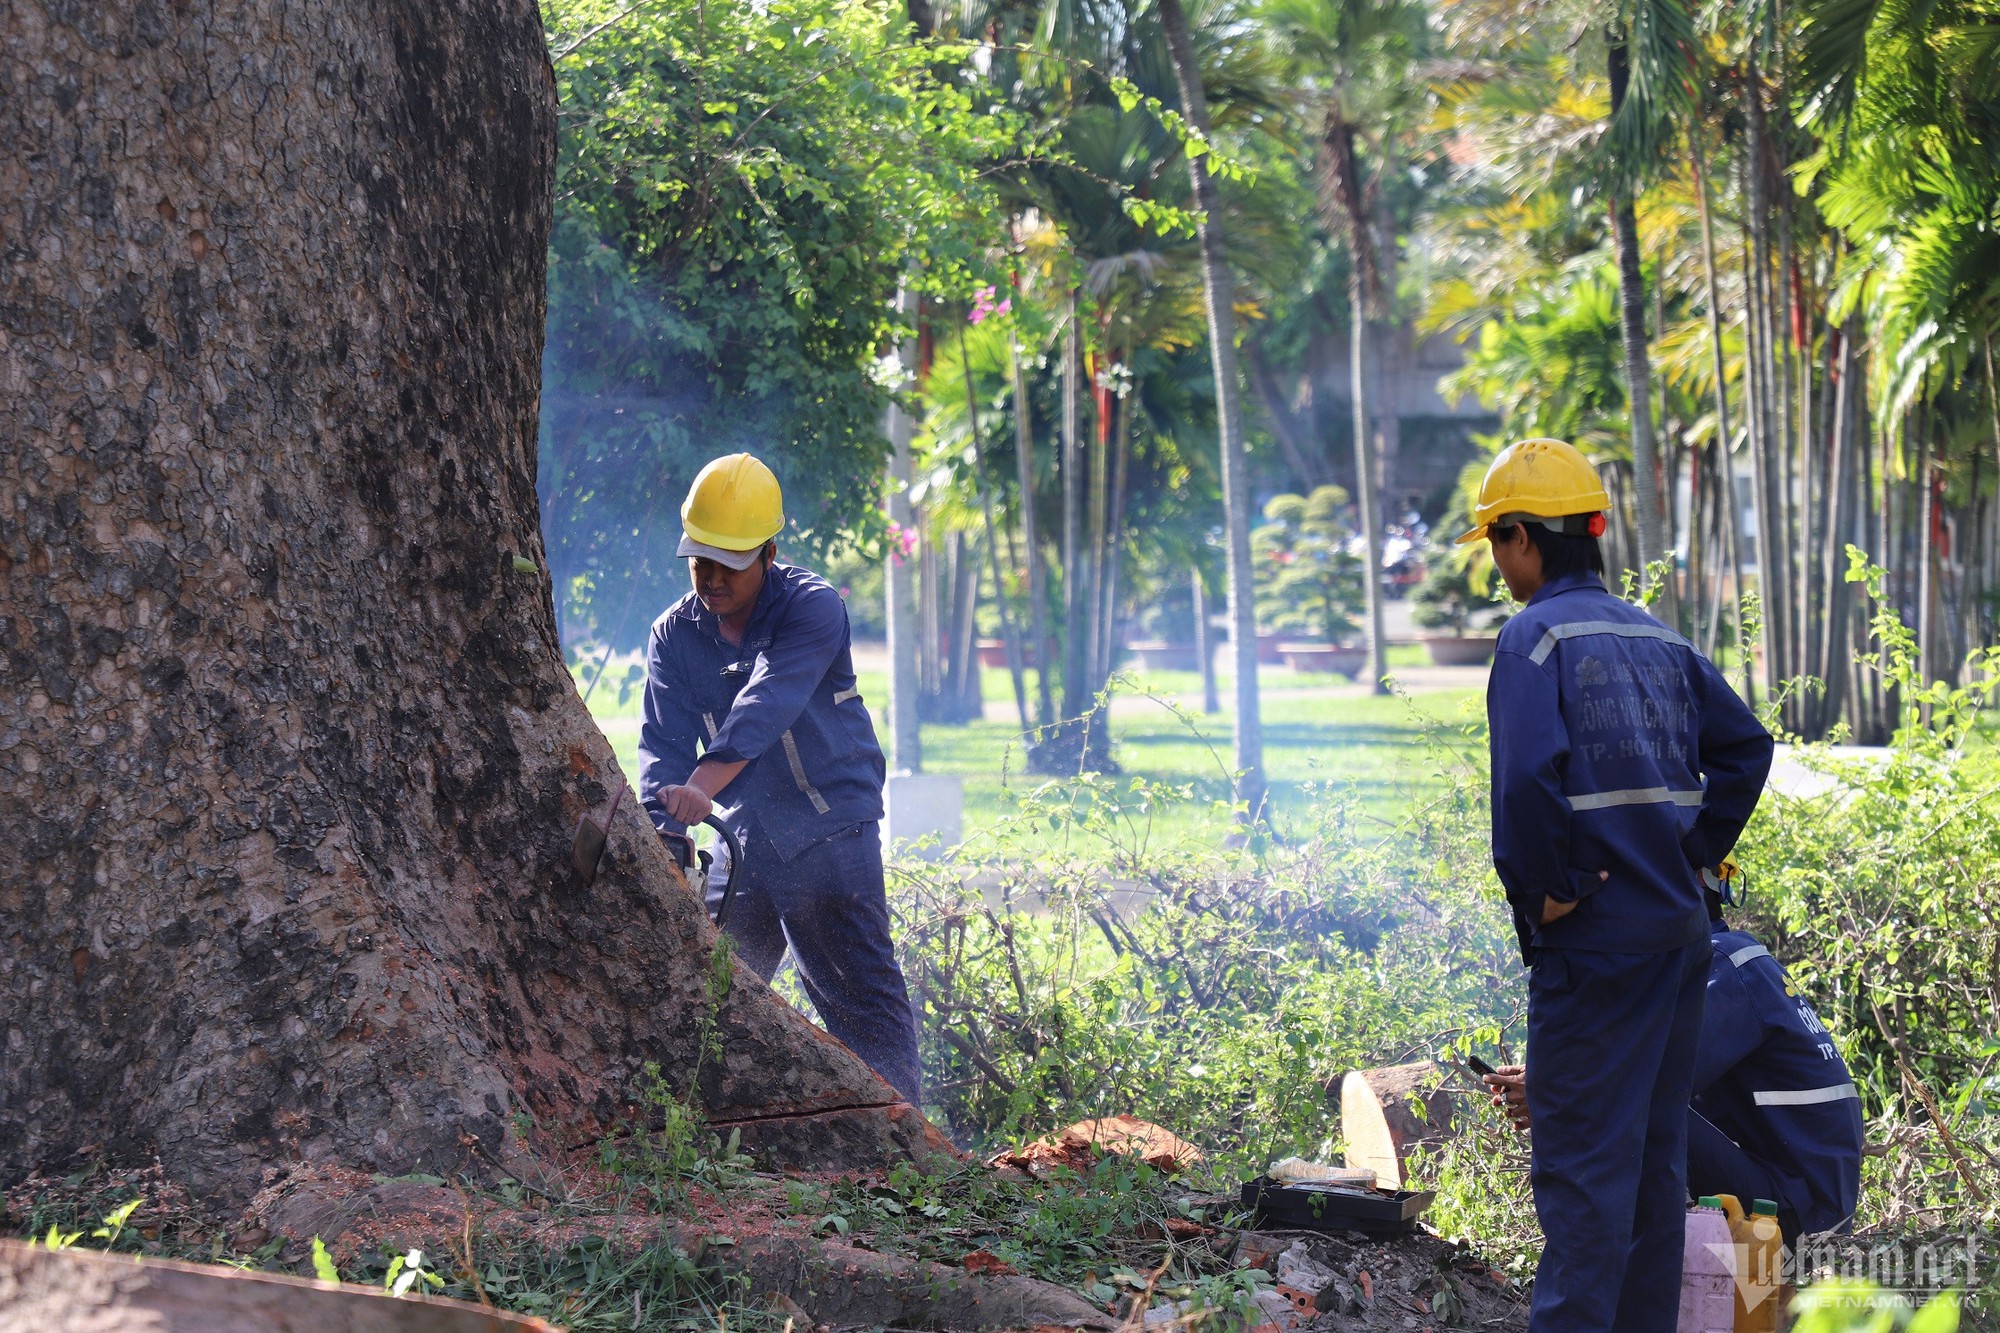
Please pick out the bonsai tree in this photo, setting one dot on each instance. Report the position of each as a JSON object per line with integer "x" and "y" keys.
{"x": 1308, "y": 581}
{"x": 1447, "y": 599}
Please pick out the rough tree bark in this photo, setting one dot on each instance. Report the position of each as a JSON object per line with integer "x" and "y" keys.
{"x": 289, "y": 760}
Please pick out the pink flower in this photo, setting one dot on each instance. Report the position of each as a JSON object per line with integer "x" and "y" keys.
{"x": 982, "y": 305}
{"x": 902, "y": 542}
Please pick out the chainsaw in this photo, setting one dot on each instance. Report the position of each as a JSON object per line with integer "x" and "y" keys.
{"x": 687, "y": 857}
{"x": 587, "y": 849}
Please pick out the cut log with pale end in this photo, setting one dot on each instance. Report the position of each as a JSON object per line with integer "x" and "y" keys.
{"x": 1385, "y": 1113}
{"x": 85, "y": 1291}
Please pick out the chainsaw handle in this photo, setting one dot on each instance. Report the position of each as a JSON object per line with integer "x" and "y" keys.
{"x": 724, "y": 832}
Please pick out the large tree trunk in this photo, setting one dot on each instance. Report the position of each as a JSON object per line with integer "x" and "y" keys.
{"x": 1219, "y": 298}
{"x": 289, "y": 761}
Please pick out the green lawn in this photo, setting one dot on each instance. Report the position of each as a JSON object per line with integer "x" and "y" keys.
{"x": 1318, "y": 731}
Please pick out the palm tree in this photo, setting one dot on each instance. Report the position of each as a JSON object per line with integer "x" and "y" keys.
{"x": 1219, "y": 298}
{"x": 1649, "y": 54}
{"x": 1356, "y": 59}
{"x": 1908, "y": 103}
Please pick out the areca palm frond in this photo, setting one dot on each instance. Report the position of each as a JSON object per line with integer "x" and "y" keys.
{"x": 1908, "y": 93}
{"x": 1655, "y": 39}
{"x": 1555, "y": 369}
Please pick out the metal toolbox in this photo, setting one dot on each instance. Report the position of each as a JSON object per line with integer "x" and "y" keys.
{"x": 1334, "y": 1209}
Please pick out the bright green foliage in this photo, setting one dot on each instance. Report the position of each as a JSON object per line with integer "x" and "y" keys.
{"x": 110, "y": 1233}
{"x": 1216, "y": 993}
{"x": 740, "y": 188}
{"x": 1883, "y": 894}
{"x": 114, "y": 1223}
{"x": 1908, "y": 97}
{"x": 322, "y": 1263}
{"x": 57, "y": 1238}
{"x": 1551, "y": 365}
{"x": 1308, "y": 581}
{"x": 1861, "y": 1307}
{"x": 405, "y": 1270}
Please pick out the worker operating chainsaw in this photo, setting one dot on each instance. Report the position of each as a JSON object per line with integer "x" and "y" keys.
{"x": 1622, "y": 765}
{"x": 750, "y": 698}
{"x": 1775, "y": 1114}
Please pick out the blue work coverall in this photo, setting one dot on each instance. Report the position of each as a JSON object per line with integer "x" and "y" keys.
{"x": 1622, "y": 763}
{"x": 1775, "y": 1114}
{"x": 807, "y": 808}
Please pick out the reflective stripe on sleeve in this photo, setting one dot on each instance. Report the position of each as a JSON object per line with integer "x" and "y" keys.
{"x": 1747, "y": 952}
{"x": 708, "y": 720}
{"x": 1582, "y": 628}
{"x": 799, "y": 774}
{"x": 1839, "y": 1092}
{"x": 1602, "y": 800}
{"x": 842, "y": 696}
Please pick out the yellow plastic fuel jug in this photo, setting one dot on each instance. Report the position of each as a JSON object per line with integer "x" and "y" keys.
{"x": 1759, "y": 1264}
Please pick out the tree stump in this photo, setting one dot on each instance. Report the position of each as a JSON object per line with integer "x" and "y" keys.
{"x": 1385, "y": 1113}
{"x": 289, "y": 757}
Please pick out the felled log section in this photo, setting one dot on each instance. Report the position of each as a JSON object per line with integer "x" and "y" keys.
{"x": 823, "y": 1281}
{"x": 85, "y": 1291}
{"x": 1386, "y": 1113}
{"x": 848, "y": 1287}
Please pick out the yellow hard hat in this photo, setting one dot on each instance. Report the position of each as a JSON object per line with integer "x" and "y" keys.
{"x": 733, "y": 508}
{"x": 1539, "y": 479}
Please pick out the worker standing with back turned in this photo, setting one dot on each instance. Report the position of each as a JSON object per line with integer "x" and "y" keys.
{"x": 1623, "y": 765}
{"x": 750, "y": 698}
{"x": 1775, "y": 1113}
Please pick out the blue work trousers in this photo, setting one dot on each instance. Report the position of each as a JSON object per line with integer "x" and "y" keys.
{"x": 828, "y": 904}
{"x": 1717, "y": 1164}
{"x": 1611, "y": 1051}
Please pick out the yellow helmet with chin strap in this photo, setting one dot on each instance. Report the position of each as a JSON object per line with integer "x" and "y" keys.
{"x": 731, "y": 511}
{"x": 1542, "y": 481}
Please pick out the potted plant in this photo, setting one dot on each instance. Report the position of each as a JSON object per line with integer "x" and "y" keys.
{"x": 1309, "y": 586}
{"x": 1448, "y": 600}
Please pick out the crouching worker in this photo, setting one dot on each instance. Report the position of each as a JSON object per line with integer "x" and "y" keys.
{"x": 1622, "y": 765}
{"x": 1775, "y": 1115}
{"x": 750, "y": 697}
